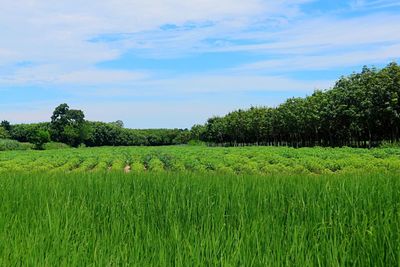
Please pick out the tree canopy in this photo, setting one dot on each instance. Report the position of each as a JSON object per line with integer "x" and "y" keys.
{"x": 69, "y": 126}
{"x": 362, "y": 109}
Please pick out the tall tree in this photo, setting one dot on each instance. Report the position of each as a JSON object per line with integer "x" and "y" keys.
{"x": 6, "y": 125}
{"x": 69, "y": 126}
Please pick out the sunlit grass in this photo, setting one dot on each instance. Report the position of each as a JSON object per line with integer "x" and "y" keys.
{"x": 186, "y": 219}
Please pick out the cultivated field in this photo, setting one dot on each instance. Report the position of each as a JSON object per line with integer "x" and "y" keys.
{"x": 243, "y": 160}
{"x": 198, "y": 206}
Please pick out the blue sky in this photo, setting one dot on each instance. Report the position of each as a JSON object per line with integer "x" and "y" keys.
{"x": 176, "y": 63}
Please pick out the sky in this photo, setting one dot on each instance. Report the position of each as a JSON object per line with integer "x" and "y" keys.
{"x": 175, "y": 63}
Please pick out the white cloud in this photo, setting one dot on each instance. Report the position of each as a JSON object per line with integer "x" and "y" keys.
{"x": 376, "y": 4}
{"x": 319, "y": 35}
{"x": 58, "y": 30}
{"x": 56, "y": 75}
{"x": 54, "y": 35}
{"x": 326, "y": 62}
{"x": 57, "y": 33}
{"x": 54, "y": 42}
{"x": 198, "y": 85}
{"x": 229, "y": 83}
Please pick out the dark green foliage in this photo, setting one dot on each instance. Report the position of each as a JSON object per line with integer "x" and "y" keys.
{"x": 183, "y": 137}
{"x": 37, "y": 134}
{"x": 26, "y": 132}
{"x": 69, "y": 126}
{"x": 6, "y": 125}
{"x": 59, "y": 120}
{"x": 197, "y": 132}
{"x": 113, "y": 134}
{"x": 4, "y": 133}
{"x": 118, "y": 123}
{"x": 39, "y": 138}
{"x": 362, "y": 109}
{"x": 5, "y": 130}
{"x": 75, "y": 133}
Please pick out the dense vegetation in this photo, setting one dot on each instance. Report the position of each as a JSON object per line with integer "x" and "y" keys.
{"x": 199, "y": 220}
{"x": 360, "y": 110}
{"x": 6, "y": 144}
{"x": 93, "y": 134}
{"x": 264, "y": 161}
{"x": 113, "y": 134}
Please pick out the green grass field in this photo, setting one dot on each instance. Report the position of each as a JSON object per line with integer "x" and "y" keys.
{"x": 281, "y": 207}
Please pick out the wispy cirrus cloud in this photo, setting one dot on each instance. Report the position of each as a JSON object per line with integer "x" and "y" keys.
{"x": 375, "y": 4}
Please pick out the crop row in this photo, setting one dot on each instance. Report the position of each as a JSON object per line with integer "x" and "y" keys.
{"x": 246, "y": 160}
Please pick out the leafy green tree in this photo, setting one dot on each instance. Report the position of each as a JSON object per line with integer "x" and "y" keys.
{"x": 111, "y": 134}
{"x": 69, "y": 126}
{"x": 216, "y": 130}
{"x": 197, "y": 132}
{"x": 24, "y": 132}
{"x": 4, "y": 133}
{"x": 59, "y": 120}
{"x": 183, "y": 137}
{"x": 6, "y": 125}
{"x": 118, "y": 123}
{"x": 40, "y": 138}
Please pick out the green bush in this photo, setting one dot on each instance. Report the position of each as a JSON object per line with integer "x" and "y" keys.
{"x": 6, "y": 144}
{"x": 137, "y": 167}
{"x": 4, "y": 133}
{"x": 386, "y": 144}
{"x": 40, "y": 138}
{"x": 156, "y": 165}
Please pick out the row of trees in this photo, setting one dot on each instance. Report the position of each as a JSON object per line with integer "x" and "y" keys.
{"x": 70, "y": 127}
{"x": 36, "y": 134}
{"x": 67, "y": 126}
{"x": 113, "y": 134}
{"x": 362, "y": 109}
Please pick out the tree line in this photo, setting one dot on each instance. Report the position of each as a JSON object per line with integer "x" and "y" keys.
{"x": 69, "y": 126}
{"x": 361, "y": 110}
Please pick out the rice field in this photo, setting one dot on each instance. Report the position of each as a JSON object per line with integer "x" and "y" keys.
{"x": 60, "y": 208}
